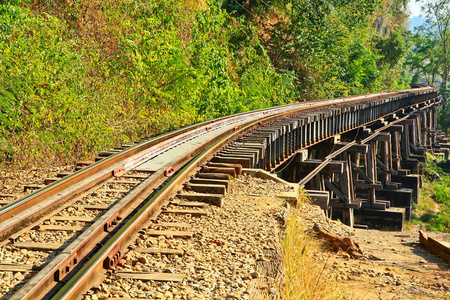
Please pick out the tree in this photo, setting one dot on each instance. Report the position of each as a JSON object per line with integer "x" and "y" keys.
{"x": 425, "y": 59}
{"x": 392, "y": 47}
{"x": 437, "y": 15}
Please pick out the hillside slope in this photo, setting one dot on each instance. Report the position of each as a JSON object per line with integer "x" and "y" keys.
{"x": 82, "y": 76}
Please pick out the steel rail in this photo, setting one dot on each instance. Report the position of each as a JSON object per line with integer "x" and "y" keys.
{"x": 40, "y": 284}
{"x": 86, "y": 276}
{"x": 28, "y": 209}
{"x": 32, "y": 207}
{"x": 77, "y": 251}
{"x": 63, "y": 264}
{"x": 67, "y": 261}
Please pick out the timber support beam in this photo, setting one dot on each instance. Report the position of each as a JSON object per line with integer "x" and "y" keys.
{"x": 361, "y": 160}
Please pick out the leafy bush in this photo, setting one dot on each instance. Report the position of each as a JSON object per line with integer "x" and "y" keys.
{"x": 435, "y": 215}
{"x": 81, "y": 76}
{"x": 93, "y": 75}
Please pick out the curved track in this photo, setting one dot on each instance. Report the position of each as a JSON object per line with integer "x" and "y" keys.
{"x": 127, "y": 190}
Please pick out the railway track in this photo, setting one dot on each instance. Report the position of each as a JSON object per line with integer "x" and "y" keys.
{"x": 69, "y": 232}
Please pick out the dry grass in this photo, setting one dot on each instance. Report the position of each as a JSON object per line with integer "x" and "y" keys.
{"x": 306, "y": 276}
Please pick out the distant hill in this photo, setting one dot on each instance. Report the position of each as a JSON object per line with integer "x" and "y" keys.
{"x": 415, "y": 22}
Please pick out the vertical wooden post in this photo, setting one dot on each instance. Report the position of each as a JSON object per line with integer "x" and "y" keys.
{"x": 405, "y": 141}
{"x": 346, "y": 188}
{"x": 385, "y": 156}
{"x": 396, "y": 156}
{"x": 370, "y": 165}
{"x": 418, "y": 130}
{"x": 424, "y": 129}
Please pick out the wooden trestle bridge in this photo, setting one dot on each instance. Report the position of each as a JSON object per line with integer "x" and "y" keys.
{"x": 358, "y": 158}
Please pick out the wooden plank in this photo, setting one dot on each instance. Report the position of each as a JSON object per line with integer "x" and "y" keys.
{"x": 320, "y": 199}
{"x": 112, "y": 191}
{"x": 339, "y": 242}
{"x": 160, "y": 250}
{"x": 101, "y": 199}
{"x": 152, "y": 276}
{"x": 375, "y": 205}
{"x": 63, "y": 174}
{"x": 107, "y": 153}
{"x": 126, "y": 182}
{"x": 33, "y": 187}
{"x": 16, "y": 268}
{"x": 210, "y": 181}
{"x": 383, "y": 137}
{"x": 210, "y": 169}
{"x": 364, "y": 185}
{"x": 386, "y": 202}
{"x": 332, "y": 186}
{"x": 72, "y": 218}
{"x": 381, "y": 164}
{"x": 136, "y": 176}
{"x": 252, "y": 156}
{"x": 337, "y": 203}
{"x": 37, "y": 246}
{"x": 331, "y": 167}
{"x": 206, "y": 188}
{"x": 392, "y": 186}
{"x": 437, "y": 247}
{"x": 196, "y": 213}
{"x": 48, "y": 181}
{"x": 360, "y": 148}
{"x": 174, "y": 233}
{"x": 215, "y": 199}
{"x": 383, "y": 172}
{"x": 93, "y": 207}
{"x": 192, "y": 204}
{"x": 169, "y": 224}
{"x": 245, "y": 162}
{"x": 9, "y": 196}
{"x": 219, "y": 176}
{"x": 361, "y": 173}
{"x": 84, "y": 163}
{"x": 60, "y": 228}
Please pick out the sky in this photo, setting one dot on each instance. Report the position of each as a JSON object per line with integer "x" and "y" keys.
{"x": 414, "y": 8}
{"x": 414, "y": 18}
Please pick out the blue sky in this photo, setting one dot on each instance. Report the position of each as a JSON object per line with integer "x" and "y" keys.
{"x": 414, "y": 19}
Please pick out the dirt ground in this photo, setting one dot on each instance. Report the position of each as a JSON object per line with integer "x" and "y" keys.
{"x": 394, "y": 266}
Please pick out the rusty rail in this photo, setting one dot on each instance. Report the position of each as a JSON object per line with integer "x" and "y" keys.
{"x": 116, "y": 246}
{"x": 33, "y": 206}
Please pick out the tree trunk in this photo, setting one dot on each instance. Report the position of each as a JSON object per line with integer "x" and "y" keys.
{"x": 445, "y": 71}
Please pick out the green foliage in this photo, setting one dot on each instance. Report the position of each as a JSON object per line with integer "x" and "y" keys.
{"x": 424, "y": 59}
{"x": 440, "y": 193}
{"x": 444, "y": 118}
{"x": 391, "y": 48}
{"x": 85, "y": 75}
{"x": 437, "y": 26}
{"x": 336, "y": 51}
{"x": 361, "y": 69}
{"x": 90, "y": 75}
